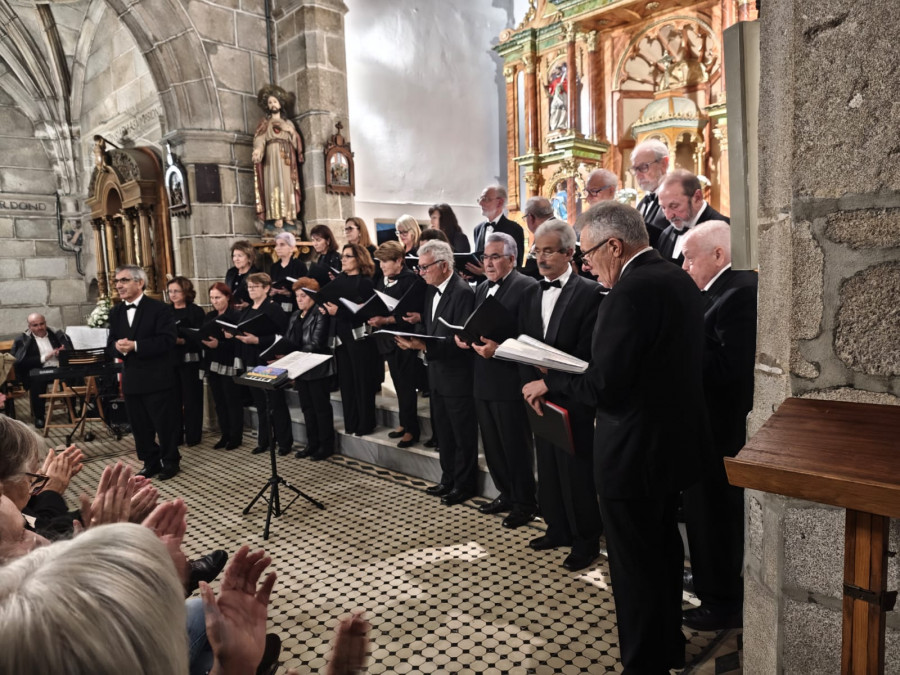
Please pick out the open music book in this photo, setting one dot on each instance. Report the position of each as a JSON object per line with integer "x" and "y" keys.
{"x": 527, "y": 350}
{"x": 298, "y": 363}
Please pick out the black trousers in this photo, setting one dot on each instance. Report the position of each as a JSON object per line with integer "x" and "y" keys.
{"x": 153, "y": 419}
{"x": 568, "y": 498}
{"x": 229, "y": 410}
{"x": 404, "y": 367}
{"x": 281, "y": 417}
{"x": 506, "y": 437}
{"x": 189, "y": 404}
{"x": 714, "y": 519}
{"x": 356, "y": 376}
{"x": 457, "y": 433}
{"x": 646, "y": 559}
{"x": 315, "y": 402}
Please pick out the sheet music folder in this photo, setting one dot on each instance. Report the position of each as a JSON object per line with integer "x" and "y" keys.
{"x": 553, "y": 426}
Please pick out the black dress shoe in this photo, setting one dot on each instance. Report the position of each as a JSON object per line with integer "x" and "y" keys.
{"x": 231, "y": 445}
{"x": 438, "y": 490}
{"x": 517, "y": 519}
{"x": 408, "y": 442}
{"x": 149, "y": 470}
{"x": 430, "y": 443}
{"x": 222, "y": 442}
{"x": 268, "y": 665}
{"x": 545, "y": 543}
{"x": 396, "y": 434}
{"x": 304, "y": 452}
{"x": 499, "y": 505}
{"x": 456, "y": 497}
{"x": 284, "y": 452}
{"x": 687, "y": 581}
{"x": 39, "y": 423}
{"x": 320, "y": 455}
{"x": 168, "y": 472}
{"x": 578, "y": 560}
{"x": 712, "y": 618}
{"x": 206, "y": 569}
{"x": 258, "y": 450}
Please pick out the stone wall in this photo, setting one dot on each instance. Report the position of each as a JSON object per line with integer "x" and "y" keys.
{"x": 829, "y": 324}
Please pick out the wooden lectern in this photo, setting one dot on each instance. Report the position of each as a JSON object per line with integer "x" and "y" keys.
{"x": 842, "y": 454}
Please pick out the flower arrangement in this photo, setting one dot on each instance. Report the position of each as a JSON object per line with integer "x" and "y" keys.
{"x": 99, "y": 316}
{"x": 627, "y": 196}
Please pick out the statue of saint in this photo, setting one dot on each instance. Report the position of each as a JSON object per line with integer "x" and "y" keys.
{"x": 277, "y": 155}
{"x": 558, "y": 89}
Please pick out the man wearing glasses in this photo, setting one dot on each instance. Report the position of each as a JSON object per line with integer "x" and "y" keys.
{"x": 600, "y": 186}
{"x": 649, "y": 164}
{"x": 142, "y": 333}
{"x": 492, "y": 202}
{"x": 652, "y": 437}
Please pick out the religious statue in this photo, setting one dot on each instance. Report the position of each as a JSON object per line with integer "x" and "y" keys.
{"x": 277, "y": 155}
{"x": 101, "y": 159}
{"x": 558, "y": 88}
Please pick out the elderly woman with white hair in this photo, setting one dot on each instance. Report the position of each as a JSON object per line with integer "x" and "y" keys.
{"x": 287, "y": 265}
{"x": 408, "y": 232}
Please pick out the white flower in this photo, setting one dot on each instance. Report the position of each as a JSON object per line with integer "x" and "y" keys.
{"x": 99, "y": 316}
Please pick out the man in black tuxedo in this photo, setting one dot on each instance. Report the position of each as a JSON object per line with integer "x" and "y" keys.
{"x": 537, "y": 211}
{"x": 681, "y": 199}
{"x": 600, "y": 186}
{"x": 502, "y": 417}
{"x": 492, "y": 202}
{"x": 142, "y": 333}
{"x": 651, "y": 439}
{"x": 713, "y": 509}
{"x": 649, "y": 164}
{"x": 38, "y": 347}
{"x": 560, "y": 311}
{"x": 449, "y": 372}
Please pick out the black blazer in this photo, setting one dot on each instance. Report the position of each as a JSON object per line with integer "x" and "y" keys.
{"x": 504, "y": 224}
{"x": 345, "y": 321}
{"x": 666, "y": 243}
{"x": 406, "y": 280}
{"x": 191, "y": 316}
{"x": 646, "y": 379}
{"x": 311, "y": 334}
{"x": 221, "y": 359}
{"x": 569, "y": 329}
{"x": 460, "y": 243}
{"x": 449, "y": 367}
{"x": 654, "y": 219}
{"x": 250, "y": 353}
{"x": 27, "y": 354}
{"x": 728, "y": 359}
{"x": 295, "y": 269}
{"x": 238, "y": 284}
{"x": 151, "y": 367}
{"x": 495, "y": 379}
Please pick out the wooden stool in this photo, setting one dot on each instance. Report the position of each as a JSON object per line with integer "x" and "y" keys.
{"x": 89, "y": 393}
{"x": 63, "y": 395}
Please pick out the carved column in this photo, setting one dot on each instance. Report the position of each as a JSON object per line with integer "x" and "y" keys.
{"x": 531, "y": 102}
{"x": 110, "y": 244}
{"x": 128, "y": 218}
{"x": 102, "y": 266}
{"x": 145, "y": 247}
{"x": 572, "y": 75}
{"x": 720, "y": 132}
{"x": 593, "y": 81}
{"x": 512, "y": 136}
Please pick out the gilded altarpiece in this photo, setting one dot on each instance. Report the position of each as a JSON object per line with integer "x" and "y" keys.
{"x": 586, "y": 80}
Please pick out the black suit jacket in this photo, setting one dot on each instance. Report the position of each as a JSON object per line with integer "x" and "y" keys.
{"x": 666, "y": 243}
{"x": 654, "y": 218}
{"x": 150, "y": 368}
{"x": 449, "y": 367}
{"x": 646, "y": 379}
{"x": 569, "y": 329}
{"x": 507, "y": 226}
{"x": 728, "y": 359}
{"x": 495, "y": 379}
{"x": 27, "y": 354}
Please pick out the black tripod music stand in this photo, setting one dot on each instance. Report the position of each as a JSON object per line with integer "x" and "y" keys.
{"x": 273, "y": 500}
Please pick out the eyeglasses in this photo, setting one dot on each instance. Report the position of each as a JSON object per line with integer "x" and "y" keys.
{"x": 546, "y": 252}
{"x": 643, "y": 168}
{"x": 596, "y": 191}
{"x": 485, "y": 198}
{"x": 124, "y": 280}
{"x": 347, "y": 255}
{"x": 585, "y": 254}
{"x": 422, "y": 268}
{"x": 38, "y": 481}
{"x": 494, "y": 257}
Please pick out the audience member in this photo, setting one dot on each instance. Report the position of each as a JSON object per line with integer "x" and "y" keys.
{"x": 444, "y": 220}
{"x": 221, "y": 363}
{"x": 681, "y": 199}
{"x": 189, "y": 386}
{"x": 38, "y": 347}
{"x": 243, "y": 255}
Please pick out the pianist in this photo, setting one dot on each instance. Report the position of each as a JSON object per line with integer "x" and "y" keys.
{"x": 38, "y": 347}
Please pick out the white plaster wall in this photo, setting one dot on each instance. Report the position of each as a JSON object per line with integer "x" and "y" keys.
{"x": 427, "y": 103}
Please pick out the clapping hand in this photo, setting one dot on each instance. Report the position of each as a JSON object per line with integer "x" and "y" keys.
{"x": 351, "y": 646}
{"x": 112, "y": 501}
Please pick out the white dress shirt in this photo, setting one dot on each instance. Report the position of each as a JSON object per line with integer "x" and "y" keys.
{"x": 551, "y": 295}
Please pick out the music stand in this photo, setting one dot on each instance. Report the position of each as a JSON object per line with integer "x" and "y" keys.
{"x": 274, "y": 499}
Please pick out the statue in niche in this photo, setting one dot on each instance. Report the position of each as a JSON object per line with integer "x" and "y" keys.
{"x": 557, "y": 89}
{"x": 277, "y": 155}
{"x": 560, "y": 201}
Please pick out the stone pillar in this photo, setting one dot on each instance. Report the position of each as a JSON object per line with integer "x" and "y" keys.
{"x": 312, "y": 64}
{"x": 829, "y": 262}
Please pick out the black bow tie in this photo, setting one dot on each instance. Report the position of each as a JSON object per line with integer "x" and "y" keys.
{"x": 550, "y": 284}
{"x": 497, "y": 283}
{"x": 130, "y": 306}
{"x": 437, "y": 290}
{"x": 679, "y": 233}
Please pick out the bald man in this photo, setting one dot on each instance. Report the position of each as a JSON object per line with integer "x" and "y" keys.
{"x": 38, "y": 347}
{"x": 714, "y": 510}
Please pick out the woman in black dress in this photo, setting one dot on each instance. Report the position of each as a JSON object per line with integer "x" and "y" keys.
{"x": 408, "y": 231}
{"x": 404, "y": 364}
{"x": 443, "y": 219}
{"x": 243, "y": 255}
{"x": 329, "y": 260}
{"x": 287, "y": 265}
{"x": 221, "y": 365}
{"x": 258, "y": 287}
{"x": 356, "y": 232}
{"x": 189, "y": 388}
{"x": 355, "y": 356}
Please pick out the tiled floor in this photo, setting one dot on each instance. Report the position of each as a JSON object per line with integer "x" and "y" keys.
{"x": 445, "y": 589}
